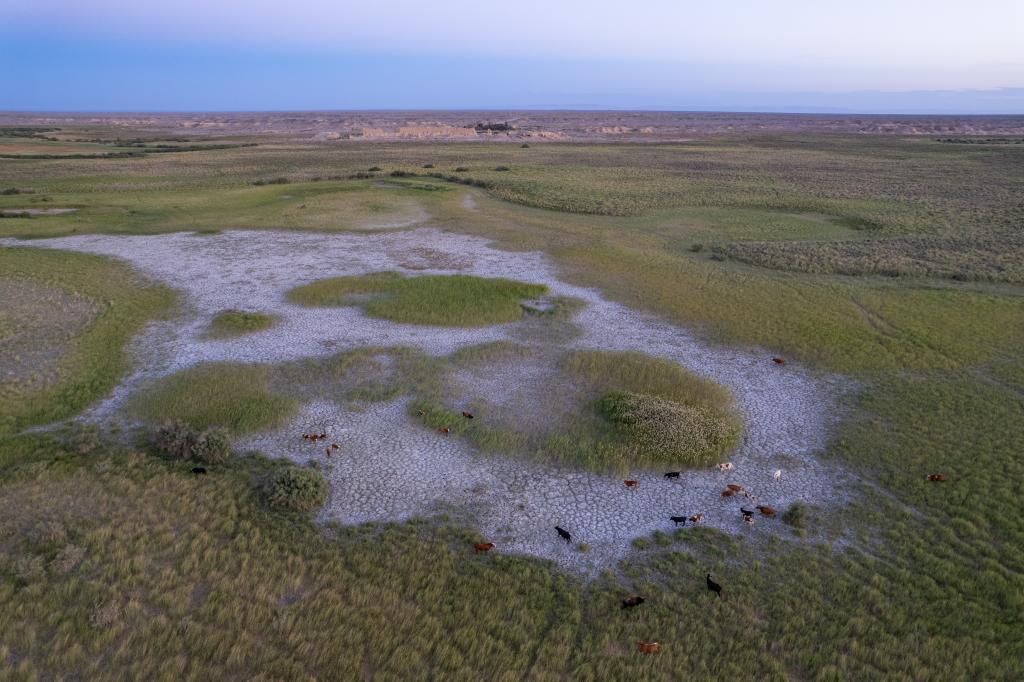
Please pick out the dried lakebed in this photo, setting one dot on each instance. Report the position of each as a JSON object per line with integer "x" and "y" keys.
{"x": 392, "y": 468}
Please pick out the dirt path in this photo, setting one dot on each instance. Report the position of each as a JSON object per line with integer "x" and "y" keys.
{"x": 391, "y": 468}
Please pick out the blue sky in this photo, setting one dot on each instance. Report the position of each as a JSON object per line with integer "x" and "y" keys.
{"x": 740, "y": 55}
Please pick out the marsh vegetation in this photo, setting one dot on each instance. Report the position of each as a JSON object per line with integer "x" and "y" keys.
{"x": 120, "y": 564}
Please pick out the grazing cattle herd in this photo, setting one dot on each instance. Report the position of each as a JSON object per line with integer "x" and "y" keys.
{"x": 731, "y": 489}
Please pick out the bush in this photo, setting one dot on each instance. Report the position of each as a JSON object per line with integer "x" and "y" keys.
{"x": 212, "y": 446}
{"x": 402, "y": 174}
{"x": 297, "y": 489}
{"x": 461, "y": 169}
{"x": 796, "y": 515}
{"x": 524, "y": 146}
{"x": 502, "y": 168}
{"x": 696, "y": 248}
{"x": 177, "y": 440}
{"x": 273, "y": 181}
{"x": 375, "y": 169}
{"x": 428, "y": 165}
{"x": 84, "y": 438}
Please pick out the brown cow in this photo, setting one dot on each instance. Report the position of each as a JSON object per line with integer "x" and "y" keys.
{"x": 766, "y": 511}
{"x": 734, "y": 487}
{"x": 483, "y": 547}
{"x": 467, "y": 415}
{"x": 445, "y": 430}
{"x": 938, "y": 478}
{"x": 327, "y": 452}
{"x": 728, "y": 493}
{"x": 630, "y": 483}
{"x": 335, "y": 446}
{"x": 648, "y": 647}
{"x": 779, "y": 361}
{"x": 697, "y": 518}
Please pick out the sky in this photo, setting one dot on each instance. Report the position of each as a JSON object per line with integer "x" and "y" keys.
{"x": 857, "y": 56}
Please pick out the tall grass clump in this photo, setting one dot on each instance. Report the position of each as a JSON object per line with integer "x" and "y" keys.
{"x": 297, "y": 489}
{"x": 177, "y": 440}
{"x": 234, "y": 396}
{"x": 441, "y": 300}
{"x": 231, "y": 323}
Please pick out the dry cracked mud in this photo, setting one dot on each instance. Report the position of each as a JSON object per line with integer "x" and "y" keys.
{"x": 392, "y": 468}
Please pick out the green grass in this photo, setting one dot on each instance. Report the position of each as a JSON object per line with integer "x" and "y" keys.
{"x": 230, "y": 395}
{"x": 911, "y": 582}
{"x": 232, "y": 323}
{"x": 93, "y": 359}
{"x": 439, "y": 300}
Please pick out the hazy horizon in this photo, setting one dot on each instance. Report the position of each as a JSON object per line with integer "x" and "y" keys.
{"x": 737, "y": 56}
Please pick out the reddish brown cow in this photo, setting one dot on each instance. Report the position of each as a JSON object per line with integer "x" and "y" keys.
{"x": 766, "y": 511}
{"x": 728, "y": 493}
{"x": 938, "y": 478}
{"x": 445, "y": 430}
{"x": 630, "y": 483}
{"x": 335, "y": 446}
{"x": 697, "y": 518}
{"x": 778, "y": 361}
{"x": 734, "y": 487}
{"x": 467, "y": 415}
{"x": 648, "y": 647}
{"x": 483, "y": 547}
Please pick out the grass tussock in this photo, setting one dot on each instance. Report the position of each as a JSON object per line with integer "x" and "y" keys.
{"x": 229, "y": 395}
{"x": 231, "y": 323}
{"x": 439, "y": 300}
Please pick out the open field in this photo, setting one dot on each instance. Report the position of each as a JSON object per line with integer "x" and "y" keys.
{"x": 716, "y": 254}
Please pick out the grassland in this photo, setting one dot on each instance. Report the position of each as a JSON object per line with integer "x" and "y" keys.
{"x": 231, "y": 323}
{"x": 234, "y": 396}
{"x": 929, "y": 585}
{"x": 69, "y": 351}
{"x": 441, "y": 300}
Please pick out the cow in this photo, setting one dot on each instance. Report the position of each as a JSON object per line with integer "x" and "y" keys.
{"x": 728, "y": 492}
{"x": 938, "y": 478}
{"x": 327, "y": 452}
{"x": 725, "y": 466}
{"x": 697, "y": 518}
{"x": 766, "y": 511}
{"x": 198, "y": 470}
{"x": 632, "y": 601}
{"x": 648, "y": 647}
{"x": 777, "y": 475}
{"x": 445, "y": 430}
{"x": 671, "y": 474}
{"x": 322, "y": 436}
{"x": 335, "y": 446}
{"x": 630, "y": 483}
{"x": 779, "y": 361}
{"x": 713, "y": 586}
{"x": 677, "y": 520}
{"x": 467, "y": 415}
{"x": 734, "y": 487}
{"x": 483, "y": 547}
{"x": 748, "y": 515}
{"x": 564, "y": 534}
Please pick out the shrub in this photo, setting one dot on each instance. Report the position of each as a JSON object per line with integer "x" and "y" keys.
{"x": 428, "y": 165}
{"x": 796, "y": 515}
{"x": 375, "y": 169}
{"x": 402, "y": 174}
{"x": 524, "y": 146}
{"x": 212, "y": 446}
{"x": 696, "y": 248}
{"x": 297, "y": 489}
{"x": 175, "y": 439}
{"x": 461, "y": 169}
{"x": 273, "y": 181}
{"x": 502, "y": 168}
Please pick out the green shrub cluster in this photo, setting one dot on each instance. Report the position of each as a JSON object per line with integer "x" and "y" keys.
{"x": 177, "y": 440}
{"x": 297, "y": 489}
